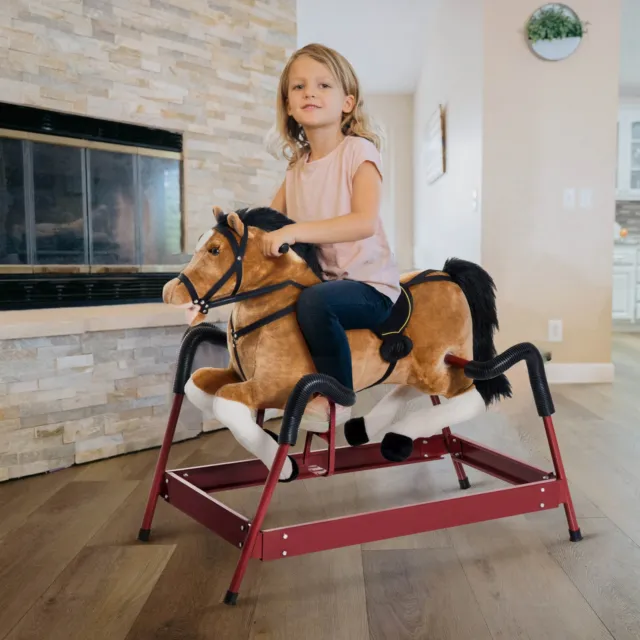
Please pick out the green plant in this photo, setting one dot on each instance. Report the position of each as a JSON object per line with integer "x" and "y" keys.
{"x": 554, "y": 22}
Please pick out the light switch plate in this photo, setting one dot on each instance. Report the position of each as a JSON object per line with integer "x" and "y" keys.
{"x": 586, "y": 198}
{"x": 569, "y": 198}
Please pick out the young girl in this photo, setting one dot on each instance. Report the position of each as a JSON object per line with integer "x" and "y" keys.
{"x": 332, "y": 190}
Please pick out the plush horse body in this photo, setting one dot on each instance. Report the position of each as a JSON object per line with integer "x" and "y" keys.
{"x": 451, "y": 311}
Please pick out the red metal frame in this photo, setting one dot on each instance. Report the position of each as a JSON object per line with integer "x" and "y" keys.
{"x": 345, "y": 531}
{"x": 187, "y": 489}
{"x": 161, "y": 465}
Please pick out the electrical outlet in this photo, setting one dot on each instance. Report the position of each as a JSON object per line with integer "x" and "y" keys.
{"x": 555, "y": 330}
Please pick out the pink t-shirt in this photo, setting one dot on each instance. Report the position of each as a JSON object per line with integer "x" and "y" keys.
{"x": 322, "y": 189}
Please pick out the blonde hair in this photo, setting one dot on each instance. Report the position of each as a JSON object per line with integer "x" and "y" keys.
{"x": 293, "y": 142}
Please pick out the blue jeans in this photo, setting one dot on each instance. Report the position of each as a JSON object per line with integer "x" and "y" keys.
{"x": 327, "y": 310}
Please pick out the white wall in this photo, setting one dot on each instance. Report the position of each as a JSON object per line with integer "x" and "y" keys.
{"x": 394, "y": 114}
{"x": 549, "y": 127}
{"x": 630, "y": 49}
{"x": 446, "y": 223}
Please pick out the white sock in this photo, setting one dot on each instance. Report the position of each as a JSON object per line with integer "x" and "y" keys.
{"x": 237, "y": 417}
{"x": 425, "y": 423}
{"x": 392, "y": 408}
{"x": 199, "y": 399}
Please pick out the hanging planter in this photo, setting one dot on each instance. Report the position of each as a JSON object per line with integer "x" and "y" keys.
{"x": 554, "y": 31}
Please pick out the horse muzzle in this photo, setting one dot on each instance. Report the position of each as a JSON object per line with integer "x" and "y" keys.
{"x": 175, "y": 294}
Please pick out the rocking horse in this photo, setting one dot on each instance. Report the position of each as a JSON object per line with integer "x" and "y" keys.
{"x": 438, "y": 342}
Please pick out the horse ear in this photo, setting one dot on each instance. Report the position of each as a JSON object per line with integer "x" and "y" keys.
{"x": 217, "y": 213}
{"x": 233, "y": 220}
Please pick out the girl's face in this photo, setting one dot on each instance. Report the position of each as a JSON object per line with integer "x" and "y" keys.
{"x": 315, "y": 98}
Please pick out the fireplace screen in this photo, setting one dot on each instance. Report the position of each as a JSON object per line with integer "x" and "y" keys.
{"x": 70, "y": 205}
{"x": 90, "y": 210}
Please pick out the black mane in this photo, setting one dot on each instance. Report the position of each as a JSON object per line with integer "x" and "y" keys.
{"x": 269, "y": 219}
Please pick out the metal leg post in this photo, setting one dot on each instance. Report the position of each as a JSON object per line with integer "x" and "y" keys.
{"x": 254, "y": 528}
{"x": 463, "y": 481}
{"x": 161, "y": 467}
{"x": 574, "y": 530}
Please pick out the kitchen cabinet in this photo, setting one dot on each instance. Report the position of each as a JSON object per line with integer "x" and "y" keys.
{"x": 628, "y": 166}
{"x": 626, "y": 283}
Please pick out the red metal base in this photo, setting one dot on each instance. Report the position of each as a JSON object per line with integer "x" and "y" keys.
{"x": 532, "y": 489}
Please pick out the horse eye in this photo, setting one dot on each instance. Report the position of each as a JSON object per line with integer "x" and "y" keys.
{"x": 215, "y": 251}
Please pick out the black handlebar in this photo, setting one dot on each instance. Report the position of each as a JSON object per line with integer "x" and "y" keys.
{"x": 535, "y": 366}
{"x": 194, "y": 336}
{"x": 306, "y": 387}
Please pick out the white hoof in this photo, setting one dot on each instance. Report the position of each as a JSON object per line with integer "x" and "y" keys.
{"x": 433, "y": 420}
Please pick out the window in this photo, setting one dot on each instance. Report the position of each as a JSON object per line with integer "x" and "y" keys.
{"x": 82, "y": 196}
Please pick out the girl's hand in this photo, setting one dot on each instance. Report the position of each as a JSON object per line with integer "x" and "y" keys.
{"x": 271, "y": 242}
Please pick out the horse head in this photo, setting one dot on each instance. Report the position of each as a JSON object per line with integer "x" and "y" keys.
{"x": 228, "y": 264}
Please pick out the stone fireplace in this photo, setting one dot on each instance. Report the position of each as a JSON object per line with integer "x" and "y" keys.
{"x": 121, "y": 125}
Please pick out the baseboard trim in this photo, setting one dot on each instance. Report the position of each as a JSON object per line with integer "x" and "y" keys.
{"x": 580, "y": 372}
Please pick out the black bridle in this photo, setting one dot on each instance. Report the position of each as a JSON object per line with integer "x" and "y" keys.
{"x": 239, "y": 249}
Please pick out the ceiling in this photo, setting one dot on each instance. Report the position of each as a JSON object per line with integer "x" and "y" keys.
{"x": 383, "y": 40}
{"x": 385, "y": 44}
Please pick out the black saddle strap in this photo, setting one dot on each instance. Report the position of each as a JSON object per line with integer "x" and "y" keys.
{"x": 263, "y": 322}
{"x": 272, "y": 317}
{"x": 235, "y": 351}
{"x": 423, "y": 276}
{"x": 387, "y": 373}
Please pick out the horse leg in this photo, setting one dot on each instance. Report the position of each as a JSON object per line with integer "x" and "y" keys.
{"x": 203, "y": 385}
{"x": 397, "y": 443}
{"x": 392, "y": 408}
{"x": 232, "y": 407}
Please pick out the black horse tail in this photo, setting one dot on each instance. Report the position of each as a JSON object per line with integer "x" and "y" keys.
{"x": 479, "y": 288}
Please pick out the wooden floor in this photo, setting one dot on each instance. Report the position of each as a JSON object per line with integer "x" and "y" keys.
{"x": 71, "y": 567}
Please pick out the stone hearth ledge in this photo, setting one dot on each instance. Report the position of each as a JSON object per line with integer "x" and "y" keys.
{"x": 38, "y": 323}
